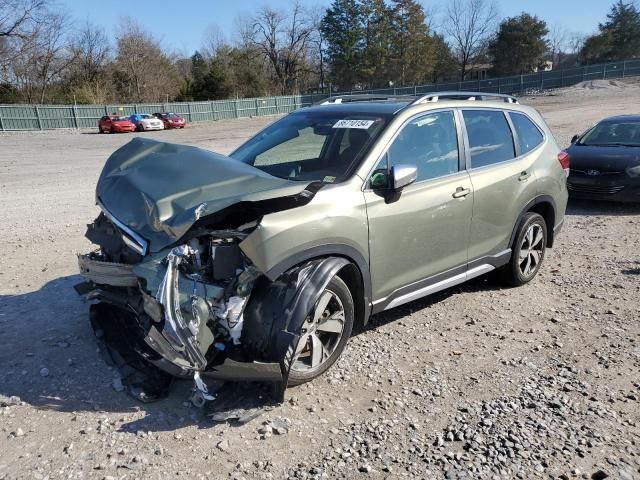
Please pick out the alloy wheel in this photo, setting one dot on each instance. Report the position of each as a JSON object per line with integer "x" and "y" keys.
{"x": 531, "y": 250}
{"x": 321, "y": 333}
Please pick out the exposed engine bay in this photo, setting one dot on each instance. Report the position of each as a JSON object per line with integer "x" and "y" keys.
{"x": 195, "y": 310}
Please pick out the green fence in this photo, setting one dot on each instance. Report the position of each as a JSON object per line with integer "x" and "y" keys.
{"x": 44, "y": 117}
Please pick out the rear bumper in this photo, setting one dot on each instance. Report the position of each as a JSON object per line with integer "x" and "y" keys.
{"x": 624, "y": 189}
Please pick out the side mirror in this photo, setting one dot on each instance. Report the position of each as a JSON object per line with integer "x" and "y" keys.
{"x": 574, "y": 139}
{"x": 403, "y": 175}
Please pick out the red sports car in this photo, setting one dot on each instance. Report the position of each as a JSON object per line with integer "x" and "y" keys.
{"x": 115, "y": 124}
{"x": 171, "y": 120}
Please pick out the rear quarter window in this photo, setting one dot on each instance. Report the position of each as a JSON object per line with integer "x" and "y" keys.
{"x": 490, "y": 138}
{"x": 529, "y": 135}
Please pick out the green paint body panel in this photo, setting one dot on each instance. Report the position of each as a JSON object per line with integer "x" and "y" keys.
{"x": 156, "y": 189}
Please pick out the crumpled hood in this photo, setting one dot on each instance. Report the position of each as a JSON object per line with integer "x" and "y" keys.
{"x": 160, "y": 189}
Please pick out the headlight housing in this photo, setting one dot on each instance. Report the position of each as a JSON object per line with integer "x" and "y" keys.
{"x": 634, "y": 171}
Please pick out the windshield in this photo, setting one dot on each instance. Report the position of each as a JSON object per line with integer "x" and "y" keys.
{"x": 613, "y": 134}
{"x": 119, "y": 119}
{"x": 324, "y": 146}
{"x": 145, "y": 116}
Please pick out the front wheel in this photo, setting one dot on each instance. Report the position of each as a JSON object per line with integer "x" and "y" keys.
{"x": 325, "y": 333}
{"x": 528, "y": 251}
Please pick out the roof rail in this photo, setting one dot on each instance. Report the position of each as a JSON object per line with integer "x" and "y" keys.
{"x": 361, "y": 97}
{"x": 454, "y": 95}
{"x": 416, "y": 99}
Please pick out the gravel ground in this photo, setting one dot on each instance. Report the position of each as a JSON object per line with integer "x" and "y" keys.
{"x": 475, "y": 382}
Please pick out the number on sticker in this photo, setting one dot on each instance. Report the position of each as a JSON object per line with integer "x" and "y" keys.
{"x": 362, "y": 124}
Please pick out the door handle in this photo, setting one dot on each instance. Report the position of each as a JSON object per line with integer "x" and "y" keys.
{"x": 524, "y": 176}
{"x": 461, "y": 192}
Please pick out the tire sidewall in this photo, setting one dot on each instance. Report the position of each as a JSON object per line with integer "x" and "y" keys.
{"x": 337, "y": 286}
{"x": 527, "y": 221}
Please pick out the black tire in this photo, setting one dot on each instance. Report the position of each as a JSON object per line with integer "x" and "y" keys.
{"x": 512, "y": 273}
{"x": 337, "y": 286}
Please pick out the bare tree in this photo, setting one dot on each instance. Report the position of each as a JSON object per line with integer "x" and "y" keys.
{"x": 557, "y": 39}
{"x": 317, "y": 42}
{"x": 87, "y": 79}
{"x": 469, "y": 24}
{"x": 243, "y": 28}
{"x": 142, "y": 71}
{"x": 214, "y": 40}
{"x": 46, "y": 58}
{"x": 19, "y": 21}
{"x": 91, "y": 49}
{"x": 576, "y": 42}
{"x": 284, "y": 39}
{"x": 18, "y": 18}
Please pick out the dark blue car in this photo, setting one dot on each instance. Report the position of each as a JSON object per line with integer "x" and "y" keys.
{"x": 605, "y": 161}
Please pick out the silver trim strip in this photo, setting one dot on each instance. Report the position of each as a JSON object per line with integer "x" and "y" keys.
{"x": 441, "y": 285}
{"x": 142, "y": 244}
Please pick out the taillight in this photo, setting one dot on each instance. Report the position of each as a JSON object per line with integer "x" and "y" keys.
{"x": 563, "y": 158}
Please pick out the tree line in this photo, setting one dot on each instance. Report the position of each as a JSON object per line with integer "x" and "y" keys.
{"x": 47, "y": 57}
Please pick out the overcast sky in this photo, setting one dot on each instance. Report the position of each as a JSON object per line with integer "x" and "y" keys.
{"x": 181, "y": 25}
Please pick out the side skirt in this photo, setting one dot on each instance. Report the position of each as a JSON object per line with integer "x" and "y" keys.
{"x": 442, "y": 281}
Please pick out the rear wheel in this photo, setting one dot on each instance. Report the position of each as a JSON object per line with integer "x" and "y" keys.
{"x": 325, "y": 333}
{"x": 528, "y": 251}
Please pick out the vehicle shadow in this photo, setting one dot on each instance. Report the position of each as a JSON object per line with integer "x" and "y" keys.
{"x": 483, "y": 283}
{"x": 599, "y": 208}
{"x": 49, "y": 329}
{"x": 50, "y": 359}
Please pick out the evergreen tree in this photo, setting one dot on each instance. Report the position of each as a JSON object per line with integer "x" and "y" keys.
{"x": 619, "y": 36}
{"x": 375, "y": 68}
{"x": 596, "y": 49}
{"x": 445, "y": 64}
{"x": 199, "y": 68}
{"x": 343, "y": 30}
{"x": 519, "y": 45}
{"x": 412, "y": 47}
{"x": 623, "y": 24}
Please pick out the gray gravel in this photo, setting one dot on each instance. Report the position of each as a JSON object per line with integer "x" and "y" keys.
{"x": 479, "y": 381}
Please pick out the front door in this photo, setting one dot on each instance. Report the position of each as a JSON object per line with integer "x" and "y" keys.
{"x": 424, "y": 230}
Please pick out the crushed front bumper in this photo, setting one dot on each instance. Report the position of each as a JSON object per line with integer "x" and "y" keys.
{"x": 155, "y": 323}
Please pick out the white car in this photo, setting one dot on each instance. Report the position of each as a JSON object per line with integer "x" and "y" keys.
{"x": 144, "y": 122}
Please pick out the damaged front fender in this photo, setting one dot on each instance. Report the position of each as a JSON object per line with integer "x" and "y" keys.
{"x": 277, "y": 310}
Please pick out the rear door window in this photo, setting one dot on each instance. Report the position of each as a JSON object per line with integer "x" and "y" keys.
{"x": 529, "y": 136}
{"x": 490, "y": 138}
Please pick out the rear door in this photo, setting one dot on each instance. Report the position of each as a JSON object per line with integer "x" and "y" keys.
{"x": 502, "y": 178}
{"x": 422, "y": 231}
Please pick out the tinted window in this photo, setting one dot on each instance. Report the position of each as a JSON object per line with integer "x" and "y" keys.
{"x": 626, "y": 133}
{"x": 430, "y": 143}
{"x": 529, "y": 136}
{"x": 490, "y": 138}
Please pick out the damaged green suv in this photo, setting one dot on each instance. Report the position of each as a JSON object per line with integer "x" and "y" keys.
{"x": 257, "y": 266}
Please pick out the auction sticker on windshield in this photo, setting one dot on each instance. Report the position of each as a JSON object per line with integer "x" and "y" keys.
{"x": 362, "y": 124}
